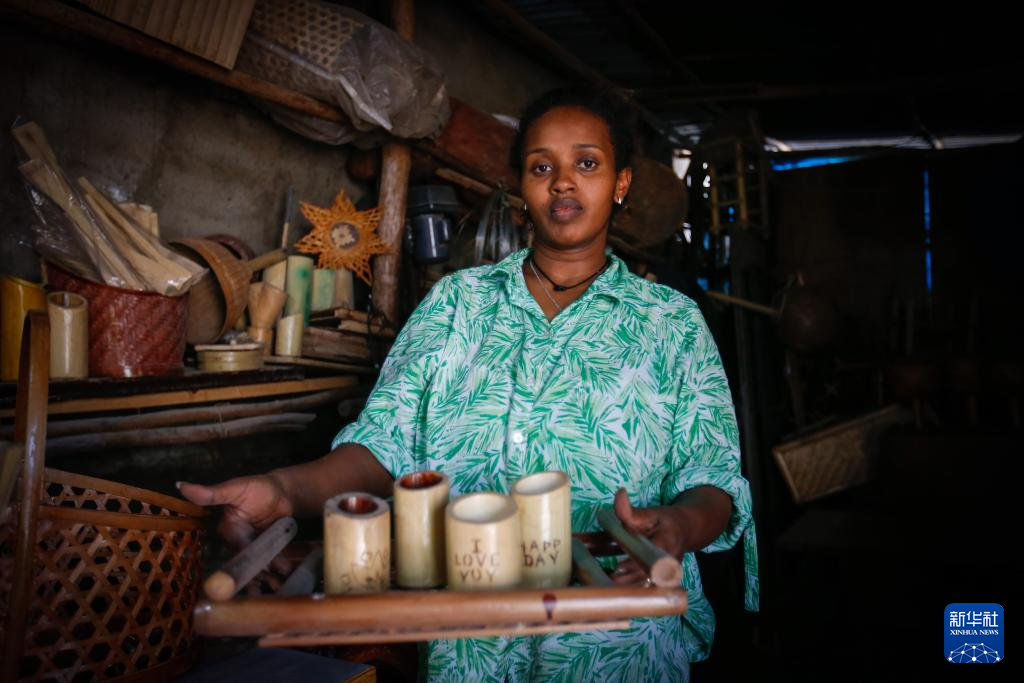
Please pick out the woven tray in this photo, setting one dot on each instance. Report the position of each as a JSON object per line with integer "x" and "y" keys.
{"x": 399, "y": 615}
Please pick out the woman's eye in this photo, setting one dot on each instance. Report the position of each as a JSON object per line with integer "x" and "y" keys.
{"x": 588, "y": 164}
{"x": 541, "y": 168}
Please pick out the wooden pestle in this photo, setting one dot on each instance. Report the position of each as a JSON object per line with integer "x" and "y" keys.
{"x": 664, "y": 570}
{"x": 240, "y": 569}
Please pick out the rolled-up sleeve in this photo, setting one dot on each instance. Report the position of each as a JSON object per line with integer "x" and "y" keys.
{"x": 389, "y": 423}
{"x": 706, "y": 449}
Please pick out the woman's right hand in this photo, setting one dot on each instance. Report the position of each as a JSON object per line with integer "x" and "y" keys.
{"x": 251, "y": 504}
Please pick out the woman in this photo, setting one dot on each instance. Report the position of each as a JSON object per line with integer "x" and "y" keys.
{"x": 554, "y": 358}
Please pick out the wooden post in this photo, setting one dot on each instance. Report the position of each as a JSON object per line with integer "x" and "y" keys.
{"x": 394, "y": 184}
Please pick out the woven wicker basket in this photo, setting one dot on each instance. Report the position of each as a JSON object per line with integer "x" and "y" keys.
{"x": 130, "y": 333}
{"x": 107, "y": 587}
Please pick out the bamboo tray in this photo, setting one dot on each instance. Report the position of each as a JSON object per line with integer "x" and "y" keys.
{"x": 401, "y": 615}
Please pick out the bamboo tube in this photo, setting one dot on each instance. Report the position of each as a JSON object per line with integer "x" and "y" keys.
{"x": 240, "y": 570}
{"x": 587, "y": 570}
{"x": 483, "y": 542}
{"x": 357, "y": 544}
{"x": 420, "y": 500}
{"x": 344, "y": 294}
{"x": 289, "y": 336}
{"x": 298, "y": 281}
{"x": 303, "y": 579}
{"x": 17, "y": 298}
{"x": 432, "y": 609}
{"x": 263, "y": 335}
{"x": 545, "y": 527}
{"x": 663, "y": 569}
{"x": 268, "y": 306}
{"x": 322, "y": 296}
{"x": 69, "y": 335}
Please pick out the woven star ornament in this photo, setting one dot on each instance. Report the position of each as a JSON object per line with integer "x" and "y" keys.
{"x": 342, "y": 237}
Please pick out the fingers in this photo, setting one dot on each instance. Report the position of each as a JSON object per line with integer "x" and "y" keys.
{"x": 629, "y": 573}
{"x": 640, "y": 520}
{"x": 203, "y": 495}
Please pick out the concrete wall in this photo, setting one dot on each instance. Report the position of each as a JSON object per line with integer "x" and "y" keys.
{"x": 203, "y": 156}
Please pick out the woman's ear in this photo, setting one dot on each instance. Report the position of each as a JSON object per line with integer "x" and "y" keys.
{"x": 623, "y": 181}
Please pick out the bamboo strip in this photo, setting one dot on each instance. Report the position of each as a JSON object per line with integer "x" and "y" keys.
{"x": 187, "y": 397}
{"x": 664, "y": 570}
{"x": 239, "y": 570}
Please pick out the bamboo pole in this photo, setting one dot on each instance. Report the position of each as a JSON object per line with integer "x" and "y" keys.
{"x": 663, "y": 569}
{"x": 394, "y": 184}
{"x": 166, "y": 418}
{"x": 321, "y": 614}
{"x": 190, "y": 397}
{"x": 173, "y": 436}
{"x": 587, "y": 570}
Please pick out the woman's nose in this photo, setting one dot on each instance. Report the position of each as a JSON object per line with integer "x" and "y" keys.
{"x": 563, "y": 182}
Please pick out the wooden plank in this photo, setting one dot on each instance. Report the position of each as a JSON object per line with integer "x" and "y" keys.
{"x": 327, "y": 365}
{"x": 212, "y": 29}
{"x": 171, "y": 398}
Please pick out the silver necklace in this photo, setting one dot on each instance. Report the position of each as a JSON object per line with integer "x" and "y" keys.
{"x": 541, "y": 283}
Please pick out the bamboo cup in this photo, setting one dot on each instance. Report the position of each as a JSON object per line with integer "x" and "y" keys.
{"x": 289, "y": 336}
{"x": 69, "y": 335}
{"x": 420, "y": 500}
{"x": 545, "y": 526}
{"x": 322, "y": 297}
{"x": 298, "y": 281}
{"x": 483, "y": 543}
{"x": 344, "y": 294}
{"x": 357, "y": 544}
{"x": 263, "y": 335}
{"x": 17, "y": 298}
{"x": 275, "y": 275}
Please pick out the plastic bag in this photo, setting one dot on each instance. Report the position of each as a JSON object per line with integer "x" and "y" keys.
{"x": 83, "y": 231}
{"x": 382, "y": 82}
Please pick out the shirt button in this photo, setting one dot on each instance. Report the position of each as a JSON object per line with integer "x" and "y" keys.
{"x": 518, "y": 437}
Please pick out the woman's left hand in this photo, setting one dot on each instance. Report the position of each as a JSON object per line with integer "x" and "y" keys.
{"x": 665, "y": 525}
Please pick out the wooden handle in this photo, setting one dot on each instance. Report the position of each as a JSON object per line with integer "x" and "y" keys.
{"x": 263, "y": 260}
{"x": 664, "y": 570}
{"x": 587, "y": 570}
{"x": 239, "y": 570}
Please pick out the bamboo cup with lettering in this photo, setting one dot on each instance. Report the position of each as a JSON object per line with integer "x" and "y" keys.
{"x": 357, "y": 544}
{"x": 420, "y": 500}
{"x": 69, "y": 335}
{"x": 483, "y": 542}
{"x": 546, "y": 528}
{"x": 289, "y": 335}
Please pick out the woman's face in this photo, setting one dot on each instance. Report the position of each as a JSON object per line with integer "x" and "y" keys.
{"x": 569, "y": 180}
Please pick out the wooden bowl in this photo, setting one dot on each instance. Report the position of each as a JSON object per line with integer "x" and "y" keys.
{"x": 218, "y": 299}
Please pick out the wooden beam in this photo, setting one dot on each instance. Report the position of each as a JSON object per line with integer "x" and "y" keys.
{"x": 171, "y": 398}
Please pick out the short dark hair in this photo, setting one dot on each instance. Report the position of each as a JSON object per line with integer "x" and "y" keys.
{"x": 596, "y": 102}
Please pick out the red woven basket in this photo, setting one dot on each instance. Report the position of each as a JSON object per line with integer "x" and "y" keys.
{"x": 130, "y": 333}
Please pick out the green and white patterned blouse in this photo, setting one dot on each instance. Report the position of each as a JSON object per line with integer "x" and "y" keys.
{"x": 624, "y": 387}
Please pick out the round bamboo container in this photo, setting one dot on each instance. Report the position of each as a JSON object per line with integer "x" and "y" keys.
{"x": 357, "y": 544}
{"x": 545, "y": 526}
{"x": 69, "y": 335}
{"x": 483, "y": 542}
{"x": 420, "y": 500}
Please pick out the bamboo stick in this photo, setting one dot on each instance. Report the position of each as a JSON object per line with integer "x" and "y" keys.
{"x": 173, "y": 436}
{"x": 240, "y": 569}
{"x": 664, "y": 570}
{"x": 190, "y": 397}
{"x": 303, "y": 580}
{"x": 216, "y": 413}
{"x": 474, "y": 185}
{"x": 319, "y": 614}
{"x": 587, "y": 570}
{"x": 744, "y": 303}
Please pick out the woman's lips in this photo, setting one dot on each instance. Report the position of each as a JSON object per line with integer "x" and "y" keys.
{"x": 566, "y": 209}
